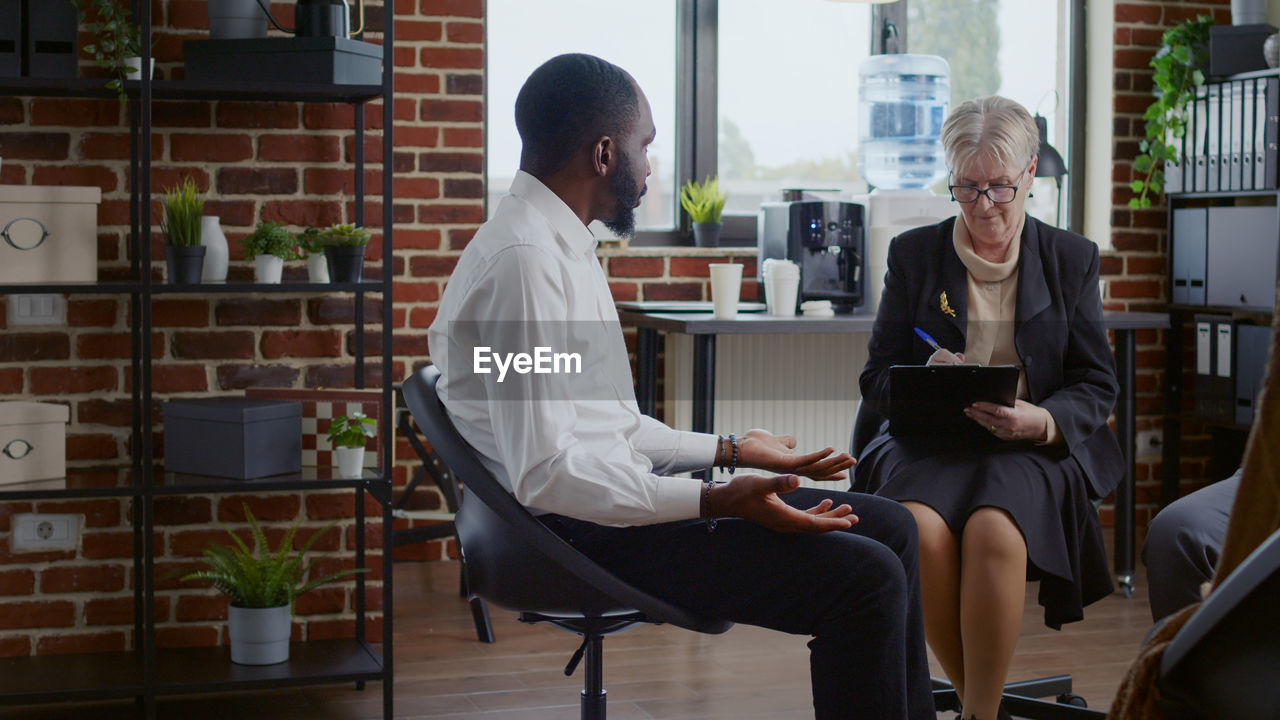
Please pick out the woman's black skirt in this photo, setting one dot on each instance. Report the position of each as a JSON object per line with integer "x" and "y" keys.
{"x": 1042, "y": 488}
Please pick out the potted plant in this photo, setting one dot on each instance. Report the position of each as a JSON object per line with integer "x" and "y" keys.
{"x": 344, "y": 248}
{"x": 117, "y": 41}
{"x": 184, "y": 255}
{"x": 268, "y": 246}
{"x": 348, "y": 433}
{"x": 1184, "y": 51}
{"x": 311, "y": 247}
{"x": 262, "y": 585}
{"x": 704, "y": 203}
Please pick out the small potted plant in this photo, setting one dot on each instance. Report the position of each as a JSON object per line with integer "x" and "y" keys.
{"x": 117, "y": 40}
{"x": 184, "y": 255}
{"x": 262, "y": 585}
{"x": 348, "y": 433}
{"x": 269, "y": 246}
{"x": 311, "y": 248}
{"x": 704, "y": 202}
{"x": 344, "y": 248}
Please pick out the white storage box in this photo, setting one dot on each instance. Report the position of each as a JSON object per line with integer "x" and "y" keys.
{"x": 33, "y": 441}
{"x": 48, "y": 234}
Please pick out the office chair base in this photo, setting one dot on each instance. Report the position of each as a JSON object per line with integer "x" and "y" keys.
{"x": 1021, "y": 699}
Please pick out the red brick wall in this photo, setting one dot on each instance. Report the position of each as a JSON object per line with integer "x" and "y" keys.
{"x": 258, "y": 161}
{"x": 1135, "y": 269}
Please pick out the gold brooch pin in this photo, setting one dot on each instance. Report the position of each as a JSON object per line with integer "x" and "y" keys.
{"x": 945, "y": 306}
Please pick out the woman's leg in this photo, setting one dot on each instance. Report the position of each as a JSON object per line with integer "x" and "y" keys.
{"x": 940, "y": 591}
{"x": 993, "y": 581}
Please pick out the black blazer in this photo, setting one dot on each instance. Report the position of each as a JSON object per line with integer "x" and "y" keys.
{"x": 1059, "y": 334}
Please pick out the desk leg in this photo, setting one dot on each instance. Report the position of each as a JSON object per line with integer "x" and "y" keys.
{"x": 647, "y": 370}
{"x": 1125, "y": 425}
{"x": 704, "y": 387}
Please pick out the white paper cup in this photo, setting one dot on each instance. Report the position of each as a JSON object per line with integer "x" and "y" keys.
{"x": 780, "y": 290}
{"x": 726, "y": 285}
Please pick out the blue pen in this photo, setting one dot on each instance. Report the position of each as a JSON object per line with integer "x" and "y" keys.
{"x": 928, "y": 338}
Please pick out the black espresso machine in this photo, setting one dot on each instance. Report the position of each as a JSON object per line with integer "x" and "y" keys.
{"x": 827, "y": 239}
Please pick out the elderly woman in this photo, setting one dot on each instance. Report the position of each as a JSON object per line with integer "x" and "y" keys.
{"x": 998, "y": 288}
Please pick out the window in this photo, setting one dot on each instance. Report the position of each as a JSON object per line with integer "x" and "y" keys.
{"x": 764, "y": 93}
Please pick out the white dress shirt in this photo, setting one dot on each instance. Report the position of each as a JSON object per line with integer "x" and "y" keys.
{"x": 573, "y": 444}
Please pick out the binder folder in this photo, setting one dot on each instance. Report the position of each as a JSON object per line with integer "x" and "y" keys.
{"x": 11, "y": 38}
{"x": 1214, "y": 386}
{"x": 1214, "y": 138}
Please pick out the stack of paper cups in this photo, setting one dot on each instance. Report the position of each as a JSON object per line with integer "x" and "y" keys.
{"x": 781, "y": 286}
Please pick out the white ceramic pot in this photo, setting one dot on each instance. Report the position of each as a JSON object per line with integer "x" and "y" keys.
{"x": 350, "y": 462}
{"x": 259, "y": 636}
{"x": 136, "y": 64}
{"x": 216, "y": 255}
{"x": 317, "y": 268}
{"x": 268, "y": 269}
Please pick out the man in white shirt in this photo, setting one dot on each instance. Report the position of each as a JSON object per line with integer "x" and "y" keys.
{"x": 535, "y": 376}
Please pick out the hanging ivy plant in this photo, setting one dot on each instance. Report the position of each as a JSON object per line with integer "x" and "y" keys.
{"x": 1183, "y": 51}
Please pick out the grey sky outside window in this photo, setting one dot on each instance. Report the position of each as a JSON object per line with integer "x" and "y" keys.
{"x": 780, "y": 80}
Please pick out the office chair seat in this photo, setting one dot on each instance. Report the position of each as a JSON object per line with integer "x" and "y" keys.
{"x": 1022, "y": 698}
{"x": 517, "y": 563}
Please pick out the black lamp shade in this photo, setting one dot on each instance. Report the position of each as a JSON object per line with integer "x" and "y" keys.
{"x": 1049, "y": 163}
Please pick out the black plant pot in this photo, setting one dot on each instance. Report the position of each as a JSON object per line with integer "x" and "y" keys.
{"x": 317, "y": 18}
{"x": 185, "y": 263}
{"x": 346, "y": 263}
{"x": 236, "y": 20}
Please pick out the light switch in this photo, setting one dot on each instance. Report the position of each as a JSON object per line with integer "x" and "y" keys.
{"x": 43, "y": 309}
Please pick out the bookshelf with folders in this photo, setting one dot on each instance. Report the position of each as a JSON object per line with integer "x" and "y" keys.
{"x": 1224, "y": 261}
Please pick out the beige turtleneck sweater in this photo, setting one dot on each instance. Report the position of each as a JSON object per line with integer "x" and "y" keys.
{"x": 993, "y": 303}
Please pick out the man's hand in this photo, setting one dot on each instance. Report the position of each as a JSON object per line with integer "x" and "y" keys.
{"x": 1023, "y": 421}
{"x": 755, "y": 498}
{"x": 776, "y": 453}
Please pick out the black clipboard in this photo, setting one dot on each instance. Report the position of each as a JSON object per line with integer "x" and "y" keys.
{"x": 930, "y": 399}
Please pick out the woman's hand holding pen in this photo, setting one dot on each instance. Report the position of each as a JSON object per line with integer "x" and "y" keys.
{"x": 776, "y": 453}
{"x": 941, "y": 355}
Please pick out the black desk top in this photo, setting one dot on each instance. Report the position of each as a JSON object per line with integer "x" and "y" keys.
{"x": 761, "y": 324}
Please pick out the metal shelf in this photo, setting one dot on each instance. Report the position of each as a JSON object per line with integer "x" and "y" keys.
{"x": 188, "y": 670}
{"x": 368, "y": 286}
{"x": 310, "y": 478}
{"x": 108, "y": 481}
{"x": 187, "y": 90}
{"x": 88, "y": 676}
{"x": 79, "y": 288}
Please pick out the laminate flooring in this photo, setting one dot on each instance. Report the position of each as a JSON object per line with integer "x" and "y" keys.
{"x": 664, "y": 673}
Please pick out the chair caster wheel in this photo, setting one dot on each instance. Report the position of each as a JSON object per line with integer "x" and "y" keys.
{"x": 1073, "y": 700}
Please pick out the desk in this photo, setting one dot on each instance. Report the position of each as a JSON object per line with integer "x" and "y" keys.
{"x": 704, "y": 329}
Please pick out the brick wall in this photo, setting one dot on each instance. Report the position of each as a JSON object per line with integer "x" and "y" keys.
{"x": 257, "y": 161}
{"x": 1135, "y": 269}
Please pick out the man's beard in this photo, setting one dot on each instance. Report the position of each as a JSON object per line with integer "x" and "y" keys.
{"x": 626, "y": 195}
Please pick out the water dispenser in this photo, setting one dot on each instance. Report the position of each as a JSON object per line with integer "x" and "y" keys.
{"x": 901, "y": 107}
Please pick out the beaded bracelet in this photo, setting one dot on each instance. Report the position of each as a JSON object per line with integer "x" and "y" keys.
{"x": 706, "y": 504}
{"x": 733, "y": 462}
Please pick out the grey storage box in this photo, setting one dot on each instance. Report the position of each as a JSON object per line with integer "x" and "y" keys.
{"x": 33, "y": 441}
{"x": 232, "y": 437}
{"x": 11, "y": 38}
{"x": 49, "y": 234}
{"x": 299, "y": 60}
{"x": 51, "y": 32}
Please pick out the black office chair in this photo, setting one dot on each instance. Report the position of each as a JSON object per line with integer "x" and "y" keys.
{"x": 443, "y": 527}
{"x": 1225, "y": 661}
{"x": 515, "y": 562}
{"x": 1022, "y": 698}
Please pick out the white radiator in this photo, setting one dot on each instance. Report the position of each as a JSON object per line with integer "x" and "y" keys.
{"x": 801, "y": 385}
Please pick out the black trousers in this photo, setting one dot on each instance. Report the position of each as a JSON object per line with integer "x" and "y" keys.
{"x": 857, "y": 592}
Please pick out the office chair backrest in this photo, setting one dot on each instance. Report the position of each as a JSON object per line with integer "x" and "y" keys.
{"x": 513, "y": 560}
{"x": 866, "y": 423}
{"x": 1225, "y": 662}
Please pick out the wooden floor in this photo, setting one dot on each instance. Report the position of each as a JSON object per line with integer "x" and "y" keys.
{"x": 650, "y": 672}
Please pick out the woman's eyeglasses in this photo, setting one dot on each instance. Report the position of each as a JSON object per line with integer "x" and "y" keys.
{"x": 997, "y": 194}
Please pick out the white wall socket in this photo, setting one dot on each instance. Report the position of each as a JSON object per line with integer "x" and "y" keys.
{"x": 40, "y": 531}
{"x": 42, "y": 309}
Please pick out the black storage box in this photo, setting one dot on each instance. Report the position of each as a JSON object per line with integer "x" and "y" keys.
{"x": 10, "y": 38}
{"x": 232, "y": 437}
{"x": 1237, "y": 48}
{"x": 302, "y": 60}
{"x": 51, "y": 38}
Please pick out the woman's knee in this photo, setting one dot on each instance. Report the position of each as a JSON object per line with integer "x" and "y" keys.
{"x": 992, "y": 532}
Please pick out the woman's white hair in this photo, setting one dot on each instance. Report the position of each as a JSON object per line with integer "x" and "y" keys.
{"x": 991, "y": 125}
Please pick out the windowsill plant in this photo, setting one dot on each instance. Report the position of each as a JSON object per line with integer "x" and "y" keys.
{"x": 704, "y": 203}
{"x": 348, "y": 434}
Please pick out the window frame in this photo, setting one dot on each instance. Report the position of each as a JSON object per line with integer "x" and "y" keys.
{"x": 697, "y": 142}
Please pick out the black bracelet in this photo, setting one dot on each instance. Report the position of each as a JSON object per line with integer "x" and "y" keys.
{"x": 721, "y": 454}
{"x": 733, "y": 463}
{"x": 706, "y": 504}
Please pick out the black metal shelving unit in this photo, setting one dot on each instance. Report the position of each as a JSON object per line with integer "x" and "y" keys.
{"x": 147, "y": 672}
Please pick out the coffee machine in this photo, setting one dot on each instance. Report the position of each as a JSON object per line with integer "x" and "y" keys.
{"x": 827, "y": 239}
